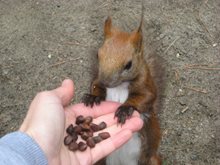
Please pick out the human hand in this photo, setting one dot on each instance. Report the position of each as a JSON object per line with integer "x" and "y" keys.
{"x": 49, "y": 115}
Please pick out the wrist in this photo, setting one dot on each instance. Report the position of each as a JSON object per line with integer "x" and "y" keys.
{"x": 23, "y": 148}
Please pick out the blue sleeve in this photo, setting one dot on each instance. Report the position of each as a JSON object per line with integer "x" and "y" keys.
{"x": 20, "y": 149}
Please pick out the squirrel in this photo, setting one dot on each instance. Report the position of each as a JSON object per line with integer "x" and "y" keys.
{"x": 124, "y": 76}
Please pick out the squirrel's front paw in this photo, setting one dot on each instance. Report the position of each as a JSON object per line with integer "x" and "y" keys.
{"x": 124, "y": 112}
{"x": 90, "y": 100}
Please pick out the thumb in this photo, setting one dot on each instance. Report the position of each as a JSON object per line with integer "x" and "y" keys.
{"x": 65, "y": 92}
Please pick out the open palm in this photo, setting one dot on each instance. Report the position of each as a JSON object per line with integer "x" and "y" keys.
{"x": 49, "y": 115}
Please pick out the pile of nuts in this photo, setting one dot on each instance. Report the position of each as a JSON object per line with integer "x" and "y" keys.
{"x": 84, "y": 128}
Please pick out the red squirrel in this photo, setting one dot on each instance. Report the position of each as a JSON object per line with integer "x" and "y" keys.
{"x": 124, "y": 76}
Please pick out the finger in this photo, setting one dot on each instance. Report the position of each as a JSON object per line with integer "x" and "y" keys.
{"x": 110, "y": 118}
{"x": 65, "y": 91}
{"x": 134, "y": 124}
{"x": 96, "y": 111}
{"x": 107, "y": 146}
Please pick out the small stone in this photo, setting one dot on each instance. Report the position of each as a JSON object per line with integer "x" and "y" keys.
{"x": 194, "y": 157}
{"x": 177, "y": 55}
{"x": 161, "y": 35}
{"x": 214, "y": 45}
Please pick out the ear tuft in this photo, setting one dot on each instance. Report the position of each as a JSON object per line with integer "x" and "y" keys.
{"x": 136, "y": 36}
{"x": 136, "y": 39}
{"x": 108, "y": 27}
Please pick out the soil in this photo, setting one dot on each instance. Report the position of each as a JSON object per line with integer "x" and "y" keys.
{"x": 44, "y": 42}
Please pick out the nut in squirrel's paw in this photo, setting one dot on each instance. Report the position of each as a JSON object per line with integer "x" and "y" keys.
{"x": 91, "y": 100}
{"x": 124, "y": 112}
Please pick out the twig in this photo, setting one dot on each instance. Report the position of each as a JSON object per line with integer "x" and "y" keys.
{"x": 198, "y": 18}
{"x": 197, "y": 90}
{"x": 74, "y": 59}
{"x": 74, "y": 42}
{"x": 56, "y": 64}
{"x": 62, "y": 62}
{"x": 202, "y": 68}
{"x": 177, "y": 77}
{"x": 185, "y": 109}
{"x": 171, "y": 45}
{"x": 102, "y": 5}
{"x": 9, "y": 66}
{"x": 195, "y": 65}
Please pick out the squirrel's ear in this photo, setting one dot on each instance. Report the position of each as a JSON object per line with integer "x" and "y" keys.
{"x": 108, "y": 27}
{"x": 137, "y": 38}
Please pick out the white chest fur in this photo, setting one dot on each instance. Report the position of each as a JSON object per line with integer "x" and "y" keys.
{"x": 128, "y": 154}
{"x": 119, "y": 93}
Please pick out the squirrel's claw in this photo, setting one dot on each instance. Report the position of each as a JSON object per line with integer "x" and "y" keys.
{"x": 124, "y": 112}
{"x": 91, "y": 100}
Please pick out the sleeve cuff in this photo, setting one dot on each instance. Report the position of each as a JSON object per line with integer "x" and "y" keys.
{"x": 19, "y": 147}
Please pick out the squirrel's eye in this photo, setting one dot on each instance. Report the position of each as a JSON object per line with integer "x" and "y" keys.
{"x": 128, "y": 65}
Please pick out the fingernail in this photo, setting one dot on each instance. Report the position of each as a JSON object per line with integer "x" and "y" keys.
{"x": 65, "y": 82}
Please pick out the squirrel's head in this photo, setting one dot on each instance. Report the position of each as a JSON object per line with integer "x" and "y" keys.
{"x": 121, "y": 55}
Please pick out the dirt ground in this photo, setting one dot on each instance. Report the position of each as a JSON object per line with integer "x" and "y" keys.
{"x": 43, "y": 42}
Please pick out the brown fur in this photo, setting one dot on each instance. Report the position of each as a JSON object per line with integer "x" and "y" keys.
{"x": 118, "y": 48}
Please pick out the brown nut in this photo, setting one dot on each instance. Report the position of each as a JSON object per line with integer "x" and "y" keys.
{"x": 77, "y": 129}
{"x": 97, "y": 139}
{"x": 104, "y": 135}
{"x": 68, "y": 139}
{"x": 74, "y": 136}
{"x": 102, "y": 125}
{"x": 85, "y": 127}
{"x": 70, "y": 129}
{"x": 94, "y": 127}
{"x": 90, "y": 142}
{"x": 90, "y": 133}
{"x": 80, "y": 119}
{"x": 88, "y": 120}
{"x": 84, "y": 136}
{"x": 80, "y": 133}
{"x": 82, "y": 146}
{"x": 73, "y": 146}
